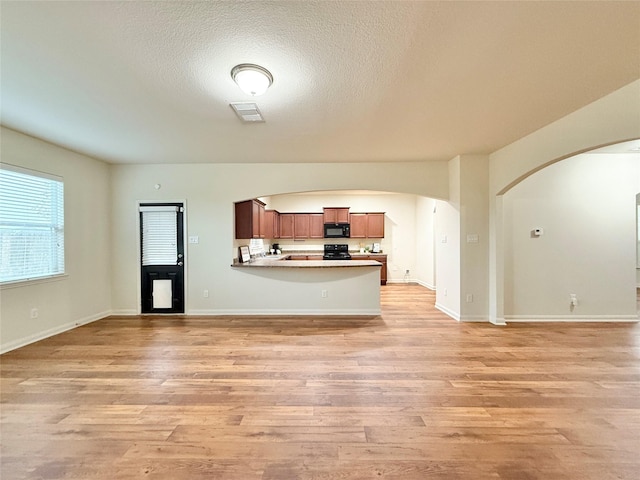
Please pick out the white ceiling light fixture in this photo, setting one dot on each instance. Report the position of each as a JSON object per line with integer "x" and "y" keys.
{"x": 252, "y": 79}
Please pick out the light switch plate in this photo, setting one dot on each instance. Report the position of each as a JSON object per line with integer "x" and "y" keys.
{"x": 194, "y": 239}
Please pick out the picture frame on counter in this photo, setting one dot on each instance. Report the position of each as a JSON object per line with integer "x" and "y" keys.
{"x": 244, "y": 255}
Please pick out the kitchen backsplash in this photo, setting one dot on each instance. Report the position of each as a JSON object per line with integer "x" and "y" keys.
{"x": 318, "y": 245}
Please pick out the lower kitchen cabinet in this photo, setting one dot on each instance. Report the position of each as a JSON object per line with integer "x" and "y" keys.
{"x": 378, "y": 258}
{"x": 383, "y": 271}
{"x": 304, "y": 257}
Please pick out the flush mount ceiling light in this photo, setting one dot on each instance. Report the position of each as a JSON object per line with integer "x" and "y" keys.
{"x": 252, "y": 79}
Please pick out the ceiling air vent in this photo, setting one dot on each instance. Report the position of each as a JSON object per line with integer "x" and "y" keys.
{"x": 248, "y": 112}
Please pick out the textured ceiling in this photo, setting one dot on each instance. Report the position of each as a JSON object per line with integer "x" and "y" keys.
{"x": 148, "y": 82}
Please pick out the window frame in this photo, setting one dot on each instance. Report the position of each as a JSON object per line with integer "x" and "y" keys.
{"x": 48, "y": 277}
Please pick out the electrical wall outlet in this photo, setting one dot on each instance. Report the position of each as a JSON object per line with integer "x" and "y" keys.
{"x": 35, "y": 313}
{"x": 469, "y": 297}
{"x": 325, "y": 294}
{"x": 573, "y": 299}
{"x": 205, "y": 294}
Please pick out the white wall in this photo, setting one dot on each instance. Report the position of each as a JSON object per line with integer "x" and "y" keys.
{"x": 425, "y": 271}
{"x": 586, "y": 206}
{"x": 611, "y": 119}
{"x": 85, "y": 293}
{"x": 447, "y": 250}
{"x": 209, "y": 191}
{"x": 399, "y": 242}
{"x": 474, "y": 237}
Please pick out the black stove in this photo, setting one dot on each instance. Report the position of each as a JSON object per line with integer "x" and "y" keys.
{"x": 336, "y": 251}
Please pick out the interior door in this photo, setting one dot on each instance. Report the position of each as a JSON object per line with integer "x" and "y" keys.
{"x": 162, "y": 257}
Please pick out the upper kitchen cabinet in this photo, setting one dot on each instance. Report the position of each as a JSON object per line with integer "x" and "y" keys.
{"x": 250, "y": 219}
{"x": 358, "y": 225}
{"x": 375, "y": 225}
{"x": 316, "y": 225}
{"x": 286, "y": 225}
{"x": 367, "y": 225}
{"x": 301, "y": 226}
{"x": 271, "y": 224}
{"x": 336, "y": 215}
{"x": 308, "y": 225}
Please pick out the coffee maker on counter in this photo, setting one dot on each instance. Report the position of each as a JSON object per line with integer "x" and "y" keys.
{"x": 275, "y": 249}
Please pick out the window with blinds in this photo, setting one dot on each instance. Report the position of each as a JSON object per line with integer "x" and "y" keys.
{"x": 159, "y": 235}
{"x": 31, "y": 224}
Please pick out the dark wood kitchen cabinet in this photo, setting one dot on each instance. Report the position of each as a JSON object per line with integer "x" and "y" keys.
{"x": 379, "y": 258}
{"x": 286, "y": 225}
{"x": 271, "y": 224}
{"x": 358, "y": 225}
{"x": 335, "y": 215}
{"x": 375, "y": 225}
{"x": 316, "y": 225}
{"x": 367, "y": 225}
{"x": 250, "y": 219}
{"x": 383, "y": 271}
{"x": 304, "y": 257}
{"x": 301, "y": 225}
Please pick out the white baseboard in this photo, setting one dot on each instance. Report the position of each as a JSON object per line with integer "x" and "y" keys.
{"x": 262, "y": 312}
{"x": 445, "y": 310}
{"x": 124, "y": 312}
{"x": 398, "y": 282}
{"x": 413, "y": 280}
{"x": 474, "y": 318}
{"x": 570, "y": 318}
{"x": 425, "y": 284}
{"x": 21, "y": 342}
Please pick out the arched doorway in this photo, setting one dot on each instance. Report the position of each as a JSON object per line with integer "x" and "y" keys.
{"x": 569, "y": 229}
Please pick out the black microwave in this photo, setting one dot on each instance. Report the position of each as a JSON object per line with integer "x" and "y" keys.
{"x": 337, "y": 230}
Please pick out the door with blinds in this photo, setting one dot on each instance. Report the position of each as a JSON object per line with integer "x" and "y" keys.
{"x": 162, "y": 256}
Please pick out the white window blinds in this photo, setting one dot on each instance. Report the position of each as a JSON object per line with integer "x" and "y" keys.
{"x": 159, "y": 235}
{"x": 31, "y": 224}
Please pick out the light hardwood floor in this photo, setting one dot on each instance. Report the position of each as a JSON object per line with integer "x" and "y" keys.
{"x": 408, "y": 395}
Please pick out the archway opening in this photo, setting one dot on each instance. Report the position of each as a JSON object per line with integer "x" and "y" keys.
{"x": 570, "y": 236}
{"x": 409, "y": 238}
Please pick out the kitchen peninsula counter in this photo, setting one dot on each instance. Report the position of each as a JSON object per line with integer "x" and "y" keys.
{"x": 274, "y": 285}
{"x": 280, "y": 261}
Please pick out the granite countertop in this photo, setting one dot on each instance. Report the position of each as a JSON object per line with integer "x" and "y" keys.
{"x": 354, "y": 253}
{"x": 280, "y": 261}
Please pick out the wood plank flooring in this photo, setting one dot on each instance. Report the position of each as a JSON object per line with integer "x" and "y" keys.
{"x": 408, "y": 395}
